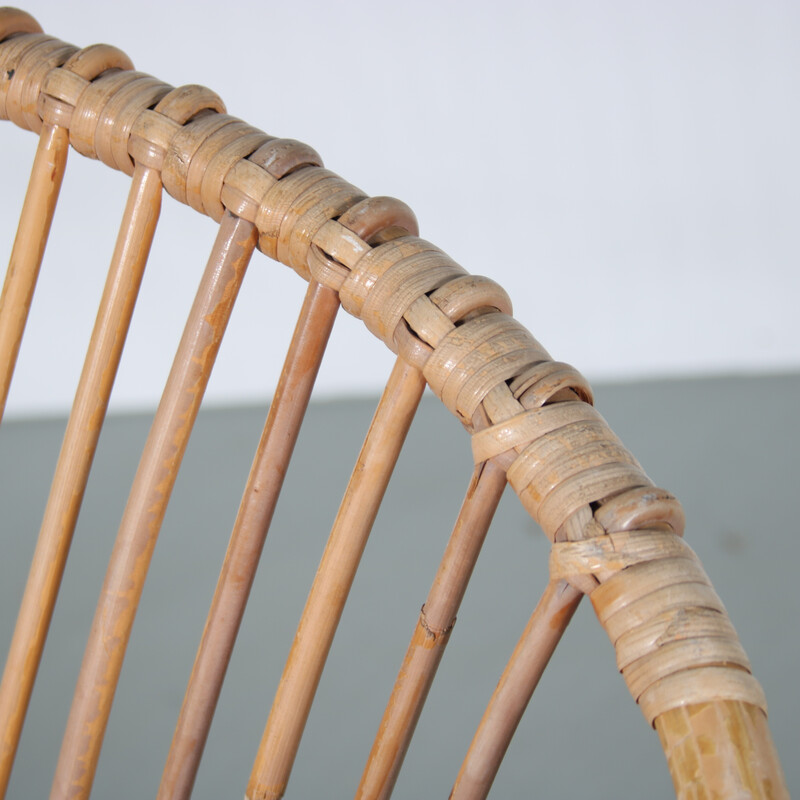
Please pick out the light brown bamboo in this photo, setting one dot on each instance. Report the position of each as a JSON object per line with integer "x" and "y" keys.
{"x": 247, "y": 540}
{"x": 47, "y": 174}
{"x": 721, "y": 749}
{"x": 466, "y": 375}
{"x": 14, "y": 22}
{"x": 437, "y": 618}
{"x": 147, "y": 503}
{"x": 513, "y": 693}
{"x": 330, "y": 588}
{"x": 75, "y": 459}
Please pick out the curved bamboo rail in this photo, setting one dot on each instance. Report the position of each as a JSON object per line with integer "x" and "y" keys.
{"x": 616, "y": 537}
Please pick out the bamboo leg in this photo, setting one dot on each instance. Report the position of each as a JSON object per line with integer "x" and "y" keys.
{"x": 513, "y": 693}
{"x": 247, "y": 540}
{"x": 75, "y": 459}
{"x": 146, "y": 507}
{"x": 721, "y": 749}
{"x": 337, "y": 569}
{"x": 432, "y": 633}
{"x": 26, "y": 256}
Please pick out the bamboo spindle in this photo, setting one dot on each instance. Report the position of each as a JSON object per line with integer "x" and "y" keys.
{"x": 247, "y": 540}
{"x": 147, "y": 503}
{"x": 370, "y": 218}
{"x": 75, "y": 459}
{"x": 437, "y": 618}
{"x": 37, "y": 213}
{"x": 45, "y": 182}
{"x": 38, "y": 208}
{"x": 88, "y": 412}
{"x": 335, "y": 575}
{"x": 94, "y": 389}
{"x": 515, "y": 689}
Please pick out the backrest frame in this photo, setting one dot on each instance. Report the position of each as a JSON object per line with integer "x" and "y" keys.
{"x": 616, "y": 536}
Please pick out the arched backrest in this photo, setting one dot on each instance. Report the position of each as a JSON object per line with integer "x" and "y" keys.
{"x": 616, "y": 536}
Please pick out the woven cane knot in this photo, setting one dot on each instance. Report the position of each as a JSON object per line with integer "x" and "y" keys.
{"x": 249, "y": 179}
{"x": 339, "y": 244}
{"x": 566, "y": 464}
{"x": 153, "y": 130}
{"x": 25, "y": 61}
{"x": 113, "y": 131}
{"x": 14, "y": 22}
{"x": 674, "y": 641}
{"x": 281, "y": 157}
{"x": 182, "y": 148}
{"x": 477, "y": 356}
{"x": 19, "y": 32}
{"x": 399, "y": 284}
{"x": 63, "y": 86}
{"x": 230, "y": 145}
{"x": 201, "y": 155}
{"x": 296, "y": 207}
{"x": 105, "y": 112}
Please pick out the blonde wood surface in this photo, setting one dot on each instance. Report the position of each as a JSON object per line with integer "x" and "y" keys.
{"x": 515, "y": 689}
{"x": 328, "y": 594}
{"x": 26, "y": 257}
{"x": 721, "y": 749}
{"x": 527, "y": 413}
{"x": 146, "y": 507}
{"x": 430, "y": 637}
{"x": 75, "y": 460}
{"x": 91, "y": 400}
{"x": 247, "y": 540}
{"x": 14, "y": 22}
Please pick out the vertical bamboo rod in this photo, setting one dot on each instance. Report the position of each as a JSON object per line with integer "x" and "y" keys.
{"x": 147, "y": 504}
{"x": 247, "y": 540}
{"x": 47, "y": 174}
{"x": 330, "y": 588}
{"x": 515, "y": 689}
{"x": 75, "y": 460}
{"x": 437, "y": 618}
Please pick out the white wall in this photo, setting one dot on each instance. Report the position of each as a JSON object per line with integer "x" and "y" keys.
{"x": 627, "y": 170}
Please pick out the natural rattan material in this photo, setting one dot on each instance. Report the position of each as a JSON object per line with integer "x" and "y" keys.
{"x": 652, "y": 591}
{"x": 528, "y": 415}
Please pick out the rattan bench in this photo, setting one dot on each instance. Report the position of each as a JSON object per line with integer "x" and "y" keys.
{"x": 616, "y": 537}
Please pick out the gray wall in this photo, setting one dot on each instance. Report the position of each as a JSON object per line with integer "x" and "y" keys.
{"x": 726, "y": 447}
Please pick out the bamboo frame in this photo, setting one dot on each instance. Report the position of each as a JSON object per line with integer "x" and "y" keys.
{"x": 32, "y": 233}
{"x": 616, "y": 537}
{"x": 332, "y": 583}
{"x": 75, "y": 460}
{"x": 247, "y": 540}
{"x": 515, "y": 689}
{"x": 436, "y": 621}
{"x": 26, "y": 257}
{"x": 94, "y": 389}
{"x": 146, "y": 507}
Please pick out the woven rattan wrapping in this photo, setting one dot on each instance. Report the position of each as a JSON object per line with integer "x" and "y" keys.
{"x": 615, "y": 535}
{"x": 675, "y": 644}
{"x": 409, "y": 293}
